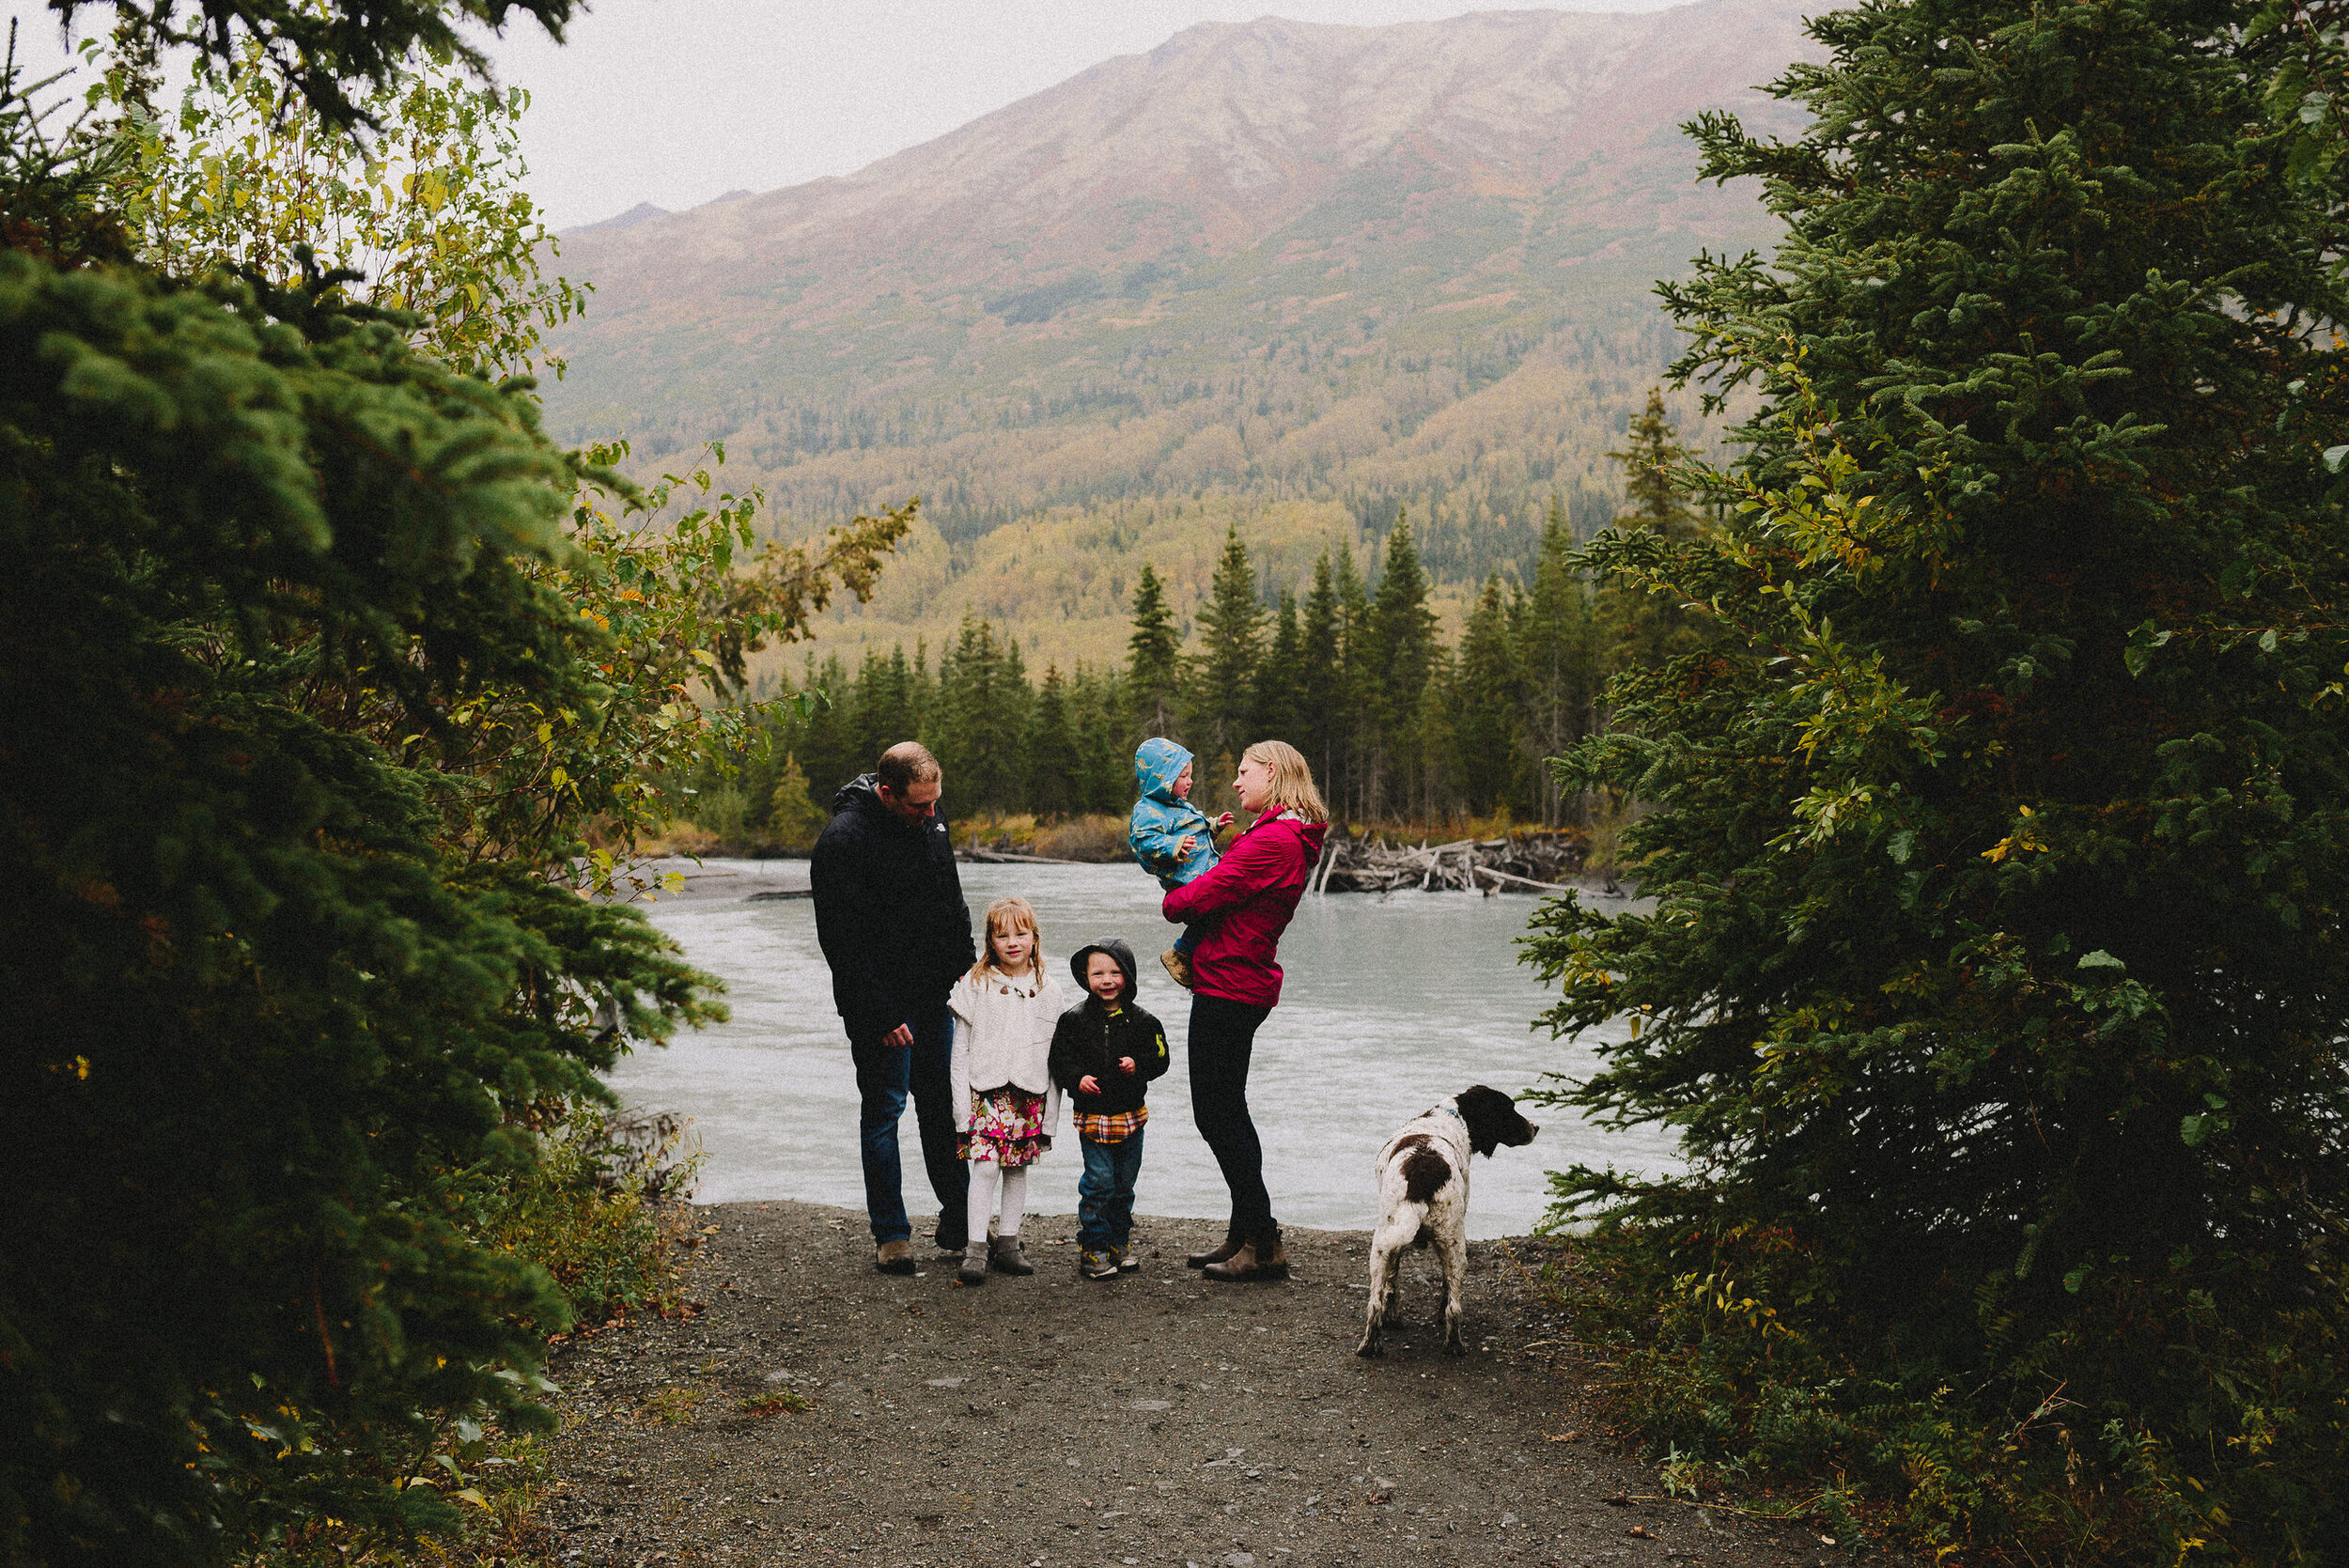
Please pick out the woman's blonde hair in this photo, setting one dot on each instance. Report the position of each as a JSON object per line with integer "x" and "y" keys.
{"x": 1292, "y": 780}
{"x": 1011, "y": 914}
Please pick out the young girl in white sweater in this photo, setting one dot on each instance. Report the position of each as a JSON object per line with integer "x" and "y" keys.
{"x": 1005, "y": 1102}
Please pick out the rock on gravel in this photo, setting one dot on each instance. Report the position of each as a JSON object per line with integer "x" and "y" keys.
{"x": 818, "y": 1411}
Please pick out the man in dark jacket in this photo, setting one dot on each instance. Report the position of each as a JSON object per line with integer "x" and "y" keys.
{"x": 895, "y": 928}
{"x": 1105, "y": 1051}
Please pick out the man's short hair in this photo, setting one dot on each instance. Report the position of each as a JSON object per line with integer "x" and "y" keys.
{"x": 903, "y": 766}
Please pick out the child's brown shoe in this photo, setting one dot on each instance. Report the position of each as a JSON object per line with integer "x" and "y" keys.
{"x": 973, "y": 1269}
{"x": 1178, "y": 966}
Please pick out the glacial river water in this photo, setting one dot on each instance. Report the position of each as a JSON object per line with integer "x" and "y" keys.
{"x": 1389, "y": 1005}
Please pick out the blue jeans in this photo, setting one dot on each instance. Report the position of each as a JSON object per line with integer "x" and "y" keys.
{"x": 1105, "y": 1193}
{"x": 884, "y": 1073}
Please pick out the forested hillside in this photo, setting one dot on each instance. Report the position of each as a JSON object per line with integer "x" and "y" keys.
{"x": 1282, "y": 277}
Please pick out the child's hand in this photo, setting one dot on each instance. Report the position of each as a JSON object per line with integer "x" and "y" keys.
{"x": 1224, "y": 821}
{"x": 1184, "y": 845}
{"x": 1089, "y": 1084}
{"x": 1125, "y": 1063}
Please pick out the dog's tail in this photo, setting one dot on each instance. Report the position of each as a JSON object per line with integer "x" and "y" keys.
{"x": 1405, "y": 1225}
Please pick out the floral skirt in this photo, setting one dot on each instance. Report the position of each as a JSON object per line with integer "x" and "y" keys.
{"x": 1006, "y": 1126}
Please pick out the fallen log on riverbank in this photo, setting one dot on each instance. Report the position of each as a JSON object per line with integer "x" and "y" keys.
{"x": 994, "y": 857}
{"x": 1536, "y": 862}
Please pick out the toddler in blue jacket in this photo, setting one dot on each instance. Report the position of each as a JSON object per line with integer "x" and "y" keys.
{"x": 1172, "y": 839}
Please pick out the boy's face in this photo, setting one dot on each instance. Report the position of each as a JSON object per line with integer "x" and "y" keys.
{"x": 1103, "y": 978}
{"x": 1182, "y": 783}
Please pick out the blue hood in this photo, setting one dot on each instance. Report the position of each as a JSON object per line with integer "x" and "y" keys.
{"x": 1157, "y": 765}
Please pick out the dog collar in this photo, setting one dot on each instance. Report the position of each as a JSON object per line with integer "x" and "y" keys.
{"x": 1453, "y": 1111}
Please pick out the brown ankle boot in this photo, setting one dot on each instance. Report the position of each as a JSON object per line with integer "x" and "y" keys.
{"x": 1255, "y": 1261}
{"x": 1200, "y": 1260}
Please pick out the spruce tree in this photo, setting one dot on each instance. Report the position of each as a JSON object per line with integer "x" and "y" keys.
{"x": 827, "y": 744}
{"x": 1355, "y": 716}
{"x": 793, "y": 817}
{"x": 1398, "y": 658}
{"x": 270, "y": 1020}
{"x": 1487, "y": 697}
{"x": 1278, "y": 711}
{"x": 1055, "y": 771}
{"x": 1558, "y": 655}
{"x": 1098, "y": 699}
{"x": 1152, "y": 658}
{"x": 981, "y": 724}
{"x": 1995, "y": 980}
{"x": 1231, "y": 649}
{"x": 1321, "y": 691}
{"x": 1642, "y": 628}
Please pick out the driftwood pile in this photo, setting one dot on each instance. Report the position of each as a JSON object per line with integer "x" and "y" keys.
{"x": 1520, "y": 863}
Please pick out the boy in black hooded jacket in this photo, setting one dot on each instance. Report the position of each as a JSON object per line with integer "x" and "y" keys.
{"x": 1105, "y": 1051}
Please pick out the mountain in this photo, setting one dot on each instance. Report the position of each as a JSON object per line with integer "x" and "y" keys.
{"x": 1281, "y": 275}
{"x": 629, "y": 219}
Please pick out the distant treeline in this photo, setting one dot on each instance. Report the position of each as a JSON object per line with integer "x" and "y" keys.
{"x": 1397, "y": 723}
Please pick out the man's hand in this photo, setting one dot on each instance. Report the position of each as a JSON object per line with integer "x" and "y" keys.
{"x": 901, "y": 1036}
{"x": 1125, "y": 1063}
{"x": 1090, "y": 1084}
{"x": 1184, "y": 845}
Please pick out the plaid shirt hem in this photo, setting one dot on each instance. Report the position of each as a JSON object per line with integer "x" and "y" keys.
{"x": 1113, "y": 1128}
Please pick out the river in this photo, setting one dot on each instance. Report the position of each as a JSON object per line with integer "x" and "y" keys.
{"x": 1389, "y": 1005}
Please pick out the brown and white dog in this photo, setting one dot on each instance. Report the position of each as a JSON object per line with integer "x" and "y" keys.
{"x": 1423, "y": 1197}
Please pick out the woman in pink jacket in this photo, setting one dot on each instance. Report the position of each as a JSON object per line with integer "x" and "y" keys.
{"x": 1235, "y": 978}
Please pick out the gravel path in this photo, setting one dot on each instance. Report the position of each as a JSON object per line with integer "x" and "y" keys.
{"x": 1156, "y": 1419}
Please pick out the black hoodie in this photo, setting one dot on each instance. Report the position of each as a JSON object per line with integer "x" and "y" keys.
{"x": 1089, "y": 1038}
{"x": 889, "y": 911}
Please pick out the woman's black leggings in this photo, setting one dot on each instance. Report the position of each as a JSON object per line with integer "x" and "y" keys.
{"x": 1222, "y": 1034}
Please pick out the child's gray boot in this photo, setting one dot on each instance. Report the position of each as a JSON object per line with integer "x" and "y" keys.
{"x": 973, "y": 1269}
{"x": 1008, "y": 1258}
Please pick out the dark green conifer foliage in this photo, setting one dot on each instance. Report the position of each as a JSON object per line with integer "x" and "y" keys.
{"x": 983, "y": 720}
{"x": 1486, "y": 693}
{"x": 1558, "y": 657}
{"x": 828, "y": 744}
{"x": 1222, "y": 689}
{"x": 1355, "y": 722}
{"x": 323, "y": 46}
{"x": 1643, "y": 628}
{"x": 1055, "y": 771}
{"x": 1278, "y": 707}
{"x": 1154, "y": 659}
{"x": 1098, "y": 698}
{"x": 260, "y": 1026}
{"x": 1997, "y": 981}
{"x": 1397, "y": 658}
{"x": 1321, "y": 690}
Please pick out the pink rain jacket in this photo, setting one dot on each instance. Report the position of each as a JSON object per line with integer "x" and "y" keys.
{"x": 1254, "y": 889}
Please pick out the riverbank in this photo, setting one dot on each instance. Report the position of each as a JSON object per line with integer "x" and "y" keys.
{"x": 705, "y": 879}
{"x": 817, "y": 1411}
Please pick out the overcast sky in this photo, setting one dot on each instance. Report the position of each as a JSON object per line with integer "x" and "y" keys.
{"x": 677, "y": 101}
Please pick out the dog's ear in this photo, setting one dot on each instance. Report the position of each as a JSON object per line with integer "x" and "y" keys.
{"x": 1492, "y": 1120}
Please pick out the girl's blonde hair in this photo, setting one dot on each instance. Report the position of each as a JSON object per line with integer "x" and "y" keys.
{"x": 1011, "y": 914}
{"x": 1292, "y": 780}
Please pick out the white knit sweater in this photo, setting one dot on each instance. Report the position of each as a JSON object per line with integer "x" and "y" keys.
{"x": 1003, "y": 1037}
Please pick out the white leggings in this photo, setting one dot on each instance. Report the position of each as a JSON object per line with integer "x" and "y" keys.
{"x": 983, "y": 1199}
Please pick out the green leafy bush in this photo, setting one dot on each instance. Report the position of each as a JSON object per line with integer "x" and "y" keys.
{"x": 603, "y": 1209}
